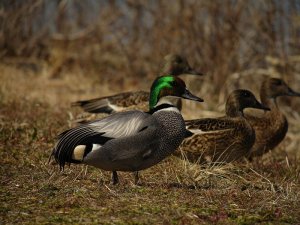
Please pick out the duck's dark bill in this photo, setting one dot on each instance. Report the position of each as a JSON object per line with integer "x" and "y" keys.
{"x": 261, "y": 106}
{"x": 188, "y": 95}
{"x": 293, "y": 93}
{"x": 195, "y": 72}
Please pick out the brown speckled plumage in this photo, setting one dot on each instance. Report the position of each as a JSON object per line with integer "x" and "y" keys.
{"x": 223, "y": 139}
{"x": 272, "y": 127}
{"x": 121, "y": 101}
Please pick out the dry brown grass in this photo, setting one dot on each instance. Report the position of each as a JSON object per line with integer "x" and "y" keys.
{"x": 49, "y": 60}
{"x": 35, "y": 108}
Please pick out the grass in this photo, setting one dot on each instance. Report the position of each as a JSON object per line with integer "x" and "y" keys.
{"x": 35, "y": 108}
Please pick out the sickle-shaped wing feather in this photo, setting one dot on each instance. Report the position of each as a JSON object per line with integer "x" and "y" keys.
{"x": 118, "y": 125}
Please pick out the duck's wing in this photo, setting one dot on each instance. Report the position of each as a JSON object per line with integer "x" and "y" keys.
{"x": 210, "y": 124}
{"x": 215, "y": 139}
{"x": 97, "y": 133}
{"x": 86, "y": 117}
{"x": 114, "y": 103}
{"x": 142, "y": 145}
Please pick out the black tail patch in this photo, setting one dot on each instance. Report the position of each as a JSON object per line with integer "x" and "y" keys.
{"x": 68, "y": 140}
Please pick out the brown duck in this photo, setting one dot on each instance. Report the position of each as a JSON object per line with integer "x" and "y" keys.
{"x": 173, "y": 65}
{"x": 272, "y": 127}
{"x": 223, "y": 139}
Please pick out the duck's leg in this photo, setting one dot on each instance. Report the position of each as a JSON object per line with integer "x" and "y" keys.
{"x": 136, "y": 177}
{"x": 115, "y": 178}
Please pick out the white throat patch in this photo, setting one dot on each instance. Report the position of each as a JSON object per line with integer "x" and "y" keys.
{"x": 166, "y": 100}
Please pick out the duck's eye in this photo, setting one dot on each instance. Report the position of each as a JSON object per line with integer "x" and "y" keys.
{"x": 246, "y": 94}
{"x": 174, "y": 83}
{"x": 278, "y": 82}
{"x": 178, "y": 83}
{"x": 179, "y": 60}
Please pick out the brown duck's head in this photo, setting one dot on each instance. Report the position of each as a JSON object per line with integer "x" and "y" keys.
{"x": 176, "y": 65}
{"x": 275, "y": 87}
{"x": 240, "y": 99}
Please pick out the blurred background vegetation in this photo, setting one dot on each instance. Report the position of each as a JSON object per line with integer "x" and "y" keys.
{"x": 53, "y": 52}
{"x": 221, "y": 37}
{"x": 231, "y": 41}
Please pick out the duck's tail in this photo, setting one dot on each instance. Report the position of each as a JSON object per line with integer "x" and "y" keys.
{"x": 77, "y": 155}
{"x": 114, "y": 103}
{"x": 74, "y": 144}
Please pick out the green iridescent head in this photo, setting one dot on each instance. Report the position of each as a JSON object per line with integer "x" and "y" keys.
{"x": 169, "y": 86}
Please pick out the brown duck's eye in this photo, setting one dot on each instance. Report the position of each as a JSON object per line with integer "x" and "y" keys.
{"x": 179, "y": 60}
{"x": 246, "y": 94}
{"x": 278, "y": 82}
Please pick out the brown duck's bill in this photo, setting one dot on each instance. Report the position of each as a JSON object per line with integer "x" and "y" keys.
{"x": 261, "y": 106}
{"x": 188, "y": 95}
{"x": 291, "y": 92}
{"x": 194, "y": 72}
